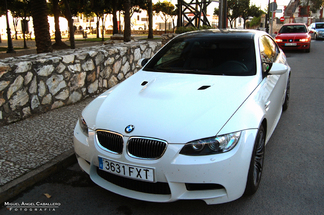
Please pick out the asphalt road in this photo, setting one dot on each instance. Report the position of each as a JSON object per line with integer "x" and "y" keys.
{"x": 293, "y": 178}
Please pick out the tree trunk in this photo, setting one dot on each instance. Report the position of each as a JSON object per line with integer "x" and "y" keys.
{"x": 41, "y": 26}
{"x": 127, "y": 27}
{"x": 150, "y": 14}
{"x": 103, "y": 28}
{"x": 25, "y": 23}
{"x": 58, "y": 38}
{"x": 115, "y": 23}
{"x": 97, "y": 25}
{"x": 70, "y": 21}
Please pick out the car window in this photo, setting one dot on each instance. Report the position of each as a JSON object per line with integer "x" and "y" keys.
{"x": 268, "y": 49}
{"x": 206, "y": 55}
{"x": 320, "y": 25}
{"x": 173, "y": 53}
{"x": 293, "y": 29}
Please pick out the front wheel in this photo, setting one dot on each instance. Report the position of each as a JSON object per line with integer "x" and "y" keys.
{"x": 256, "y": 164}
{"x": 287, "y": 96}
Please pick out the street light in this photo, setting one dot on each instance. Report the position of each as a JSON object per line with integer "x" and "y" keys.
{"x": 10, "y": 47}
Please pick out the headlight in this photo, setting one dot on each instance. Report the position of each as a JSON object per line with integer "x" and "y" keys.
{"x": 304, "y": 40}
{"x": 212, "y": 145}
{"x": 83, "y": 126}
{"x": 278, "y": 40}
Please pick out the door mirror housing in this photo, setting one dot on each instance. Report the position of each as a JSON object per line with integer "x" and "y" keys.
{"x": 143, "y": 61}
{"x": 278, "y": 69}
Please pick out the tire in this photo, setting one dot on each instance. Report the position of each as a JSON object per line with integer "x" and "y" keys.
{"x": 315, "y": 35}
{"x": 256, "y": 164}
{"x": 287, "y": 97}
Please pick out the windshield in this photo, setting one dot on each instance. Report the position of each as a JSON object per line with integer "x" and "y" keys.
{"x": 206, "y": 55}
{"x": 319, "y": 25}
{"x": 293, "y": 29}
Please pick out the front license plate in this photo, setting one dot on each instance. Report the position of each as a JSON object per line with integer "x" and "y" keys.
{"x": 127, "y": 170}
{"x": 290, "y": 44}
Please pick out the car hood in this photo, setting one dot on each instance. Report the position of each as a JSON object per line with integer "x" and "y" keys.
{"x": 292, "y": 36}
{"x": 177, "y": 108}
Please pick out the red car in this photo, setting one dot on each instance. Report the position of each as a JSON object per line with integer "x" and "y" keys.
{"x": 294, "y": 36}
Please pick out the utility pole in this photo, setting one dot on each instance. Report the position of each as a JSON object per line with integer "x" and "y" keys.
{"x": 222, "y": 14}
{"x": 267, "y": 18}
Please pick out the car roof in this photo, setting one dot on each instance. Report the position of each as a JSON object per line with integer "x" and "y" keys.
{"x": 294, "y": 24}
{"x": 222, "y": 33}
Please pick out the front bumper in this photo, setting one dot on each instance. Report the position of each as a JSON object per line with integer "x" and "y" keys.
{"x": 214, "y": 178}
{"x": 298, "y": 46}
{"x": 320, "y": 35}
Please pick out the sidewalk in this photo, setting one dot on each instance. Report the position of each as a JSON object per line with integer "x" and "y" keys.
{"x": 32, "y": 149}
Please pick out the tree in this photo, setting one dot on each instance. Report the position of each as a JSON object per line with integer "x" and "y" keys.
{"x": 68, "y": 16}
{"x": 129, "y": 6}
{"x": 20, "y": 9}
{"x": 41, "y": 26}
{"x": 166, "y": 9}
{"x": 150, "y": 14}
{"x": 127, "y": 28}
{"x": 100, "y": 7}
{"x": 241, "y": 8}
{"x": 114, "y": 11}
{"x": 59, "y": 44}
{"x": 253, "y": 11}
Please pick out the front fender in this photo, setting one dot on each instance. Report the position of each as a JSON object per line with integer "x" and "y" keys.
{"x": 248, "y": 116}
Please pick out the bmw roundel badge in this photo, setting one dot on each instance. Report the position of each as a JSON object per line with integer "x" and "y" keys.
{"x": 129, "y": 128}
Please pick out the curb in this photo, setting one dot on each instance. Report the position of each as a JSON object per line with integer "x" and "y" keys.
{"x": 20, "y": 184}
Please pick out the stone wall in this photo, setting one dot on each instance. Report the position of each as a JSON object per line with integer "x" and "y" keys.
{"x": 33, "y": 84}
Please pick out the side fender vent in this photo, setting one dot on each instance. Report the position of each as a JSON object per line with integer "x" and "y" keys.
{"x": 204, "y": 87}
{"x": 144, "y": 83}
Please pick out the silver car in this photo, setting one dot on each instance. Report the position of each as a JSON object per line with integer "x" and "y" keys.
{"x": 317, "y": 30}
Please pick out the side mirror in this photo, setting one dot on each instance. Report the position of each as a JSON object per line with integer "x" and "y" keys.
{"x": 144, "y": 61}
{"x": 311, "y": 31}
{"x": 278, "y": 69}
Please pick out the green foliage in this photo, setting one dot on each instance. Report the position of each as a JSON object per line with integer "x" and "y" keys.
{"x": 181, "y": 30}
{"x": 254, "y": 22}
{"x": 165, "y": 7}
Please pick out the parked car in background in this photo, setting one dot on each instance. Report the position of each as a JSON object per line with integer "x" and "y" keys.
{"x": 294, "y": 36}
{"x": 317, "y": 30}
{"x": 192, "y": 123}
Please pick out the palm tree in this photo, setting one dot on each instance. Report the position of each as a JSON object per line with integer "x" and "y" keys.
{"x": 41, "y": 26}
{"x": 59, "y": 44}
{"x": 127, "y": 29}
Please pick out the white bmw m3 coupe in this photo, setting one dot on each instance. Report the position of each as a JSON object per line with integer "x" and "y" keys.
{"x": 192, "y": 123}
